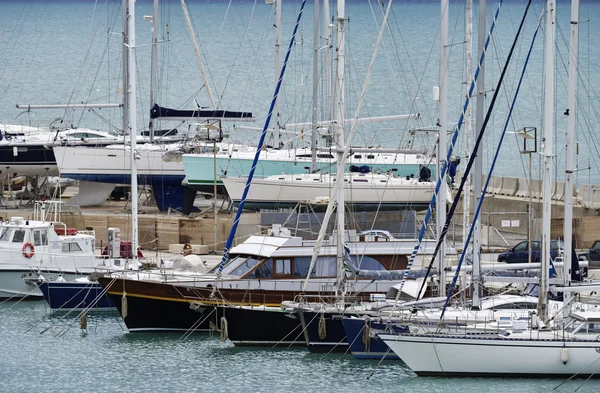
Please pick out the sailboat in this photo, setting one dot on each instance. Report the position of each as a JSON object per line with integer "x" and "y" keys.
{"x": 566, "y": 345}
{"x": 364, "y": 190}
{"x": 155, "y": 167}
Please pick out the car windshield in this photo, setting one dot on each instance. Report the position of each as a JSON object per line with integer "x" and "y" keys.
{"x": 556, "y": 245}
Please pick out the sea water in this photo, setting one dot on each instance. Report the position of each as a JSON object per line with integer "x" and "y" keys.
{"x": 40, "y": 352}
{"x": 70, "y": 51}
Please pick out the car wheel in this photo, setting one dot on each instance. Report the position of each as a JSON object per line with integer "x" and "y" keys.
{"x": 502, "y": 260}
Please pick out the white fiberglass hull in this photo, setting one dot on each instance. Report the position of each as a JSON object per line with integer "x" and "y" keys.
{"x": 366, "y": 189}
{"x": 523, "y": 356}
{"x": 113, "y": 164}
{"x": 14, "y": 283}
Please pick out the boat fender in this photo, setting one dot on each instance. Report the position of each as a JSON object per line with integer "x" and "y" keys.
{"x": 366, "y": 336}
{"x": 124, "y": 305}
{"x": 322, "y": 327}
{"x": 564, "y": 355}
{"x": 83, "y": 321}
{"x": 28, "y": 250}
{"x": 224, "y": 331}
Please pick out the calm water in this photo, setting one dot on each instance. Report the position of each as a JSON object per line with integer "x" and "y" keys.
{"x": 69, "y": 51}
{"x": 51, "y": 354}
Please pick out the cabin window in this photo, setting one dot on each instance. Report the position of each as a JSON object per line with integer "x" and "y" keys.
{"x": 264, "y": 270}
{"x": 367, "y": 263}
{"x": 19, "y": 236}
{"x": 232, "y": 264}
{"x": 70, "y": 247}
{"x": 37, "y": 238}
{"x": 283, "y": 267}
{"x": 245, "y": 267}
{"x": 301, "y": 266}
{"x": 325, "y": 267}
{"x": 40, "y": 237}
{"x": 6, "y": 235}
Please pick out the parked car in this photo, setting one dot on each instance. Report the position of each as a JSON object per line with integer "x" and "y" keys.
{"x": 520, "y": 252}
{"x": 593, "y": 254}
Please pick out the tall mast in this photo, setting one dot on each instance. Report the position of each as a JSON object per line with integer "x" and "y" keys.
{"x": 547, "y": 148}
{"x": 468, "y": 77}
{"x": 153, "y": 66}
{"x": 570, "y": 144}
{"x": 340, "y": 143}
{"x": 315, "y": 80}
{"x": 132, "y": 128}
{"x": 198, "y": 55}
{"x": 328, "y": 59}
{"x": 443, "y": 139}
{"x": 276, "y": 129}
{"x": 478, "y": 163}
{"x": 124, "y": 64}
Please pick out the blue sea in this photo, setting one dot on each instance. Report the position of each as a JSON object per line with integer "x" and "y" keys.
{"x": 54, "y": 52}
{"x": 70, "y": 51}
{"x": 43, "y": 353}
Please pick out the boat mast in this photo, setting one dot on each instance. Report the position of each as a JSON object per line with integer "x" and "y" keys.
{"x": 547, "y": 147}
{"x": 276, "y": 126}
{"x": 198, "y": 55}
{"x": 442, "y": 140}
{"x": 125, "y": 28}
{"x": 315, "y": 80}
{"x": 571, "y": 112}
{"x": 339, "y": 128}
{"x": 132, "y": 126}
{"x": 328, "y": 60}
{"x": 476, "y": 292}
{"x": 153, "y": 67}
{"x": 468, "y": 77}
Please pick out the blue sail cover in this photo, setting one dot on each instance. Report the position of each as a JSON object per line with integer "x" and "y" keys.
{"x": 175, "y": 114}
{"x": 353, "y": 271}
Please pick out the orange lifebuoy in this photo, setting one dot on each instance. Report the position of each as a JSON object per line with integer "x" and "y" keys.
{"x": 187, "y": 249}
{"x": 28, "y": 254}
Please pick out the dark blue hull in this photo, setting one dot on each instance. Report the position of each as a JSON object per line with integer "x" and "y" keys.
{"x": 167, "y": 189}
{"x": 71, "y": 295}
{"x": 323, "y": 331}
{"x": 365, "y": 345}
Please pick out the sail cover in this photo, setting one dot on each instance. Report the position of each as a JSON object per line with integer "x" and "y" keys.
{"x": 175, "y": 114}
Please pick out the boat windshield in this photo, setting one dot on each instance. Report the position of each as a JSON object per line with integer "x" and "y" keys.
{"x": 241, "y": 267}
{"x": 6, "y": 235}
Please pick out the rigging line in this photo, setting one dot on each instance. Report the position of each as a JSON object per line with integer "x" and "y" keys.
{"x": 85, "y": 59}
{"x": 239, "y": 50}
{"x": 91, "y": 89}
{"x": 449, "y": 155}
{"x": 15, "y": 34}
{"x": 479, "y": 138}
{"x": 339, "y": 179}
{"x": 217, "y": 40}
{"x": 263, "y": 135}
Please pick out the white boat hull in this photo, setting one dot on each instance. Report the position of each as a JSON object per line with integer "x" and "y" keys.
{"x": 113, "y": 165}
{"x": 14, "y": 283}
{"x": 523, "y": 357}
{"x": 367, "y": 189}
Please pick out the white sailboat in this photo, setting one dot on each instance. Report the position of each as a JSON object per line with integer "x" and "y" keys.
{"x": 567, "y": 346}
{"x": 368, "y": 191}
